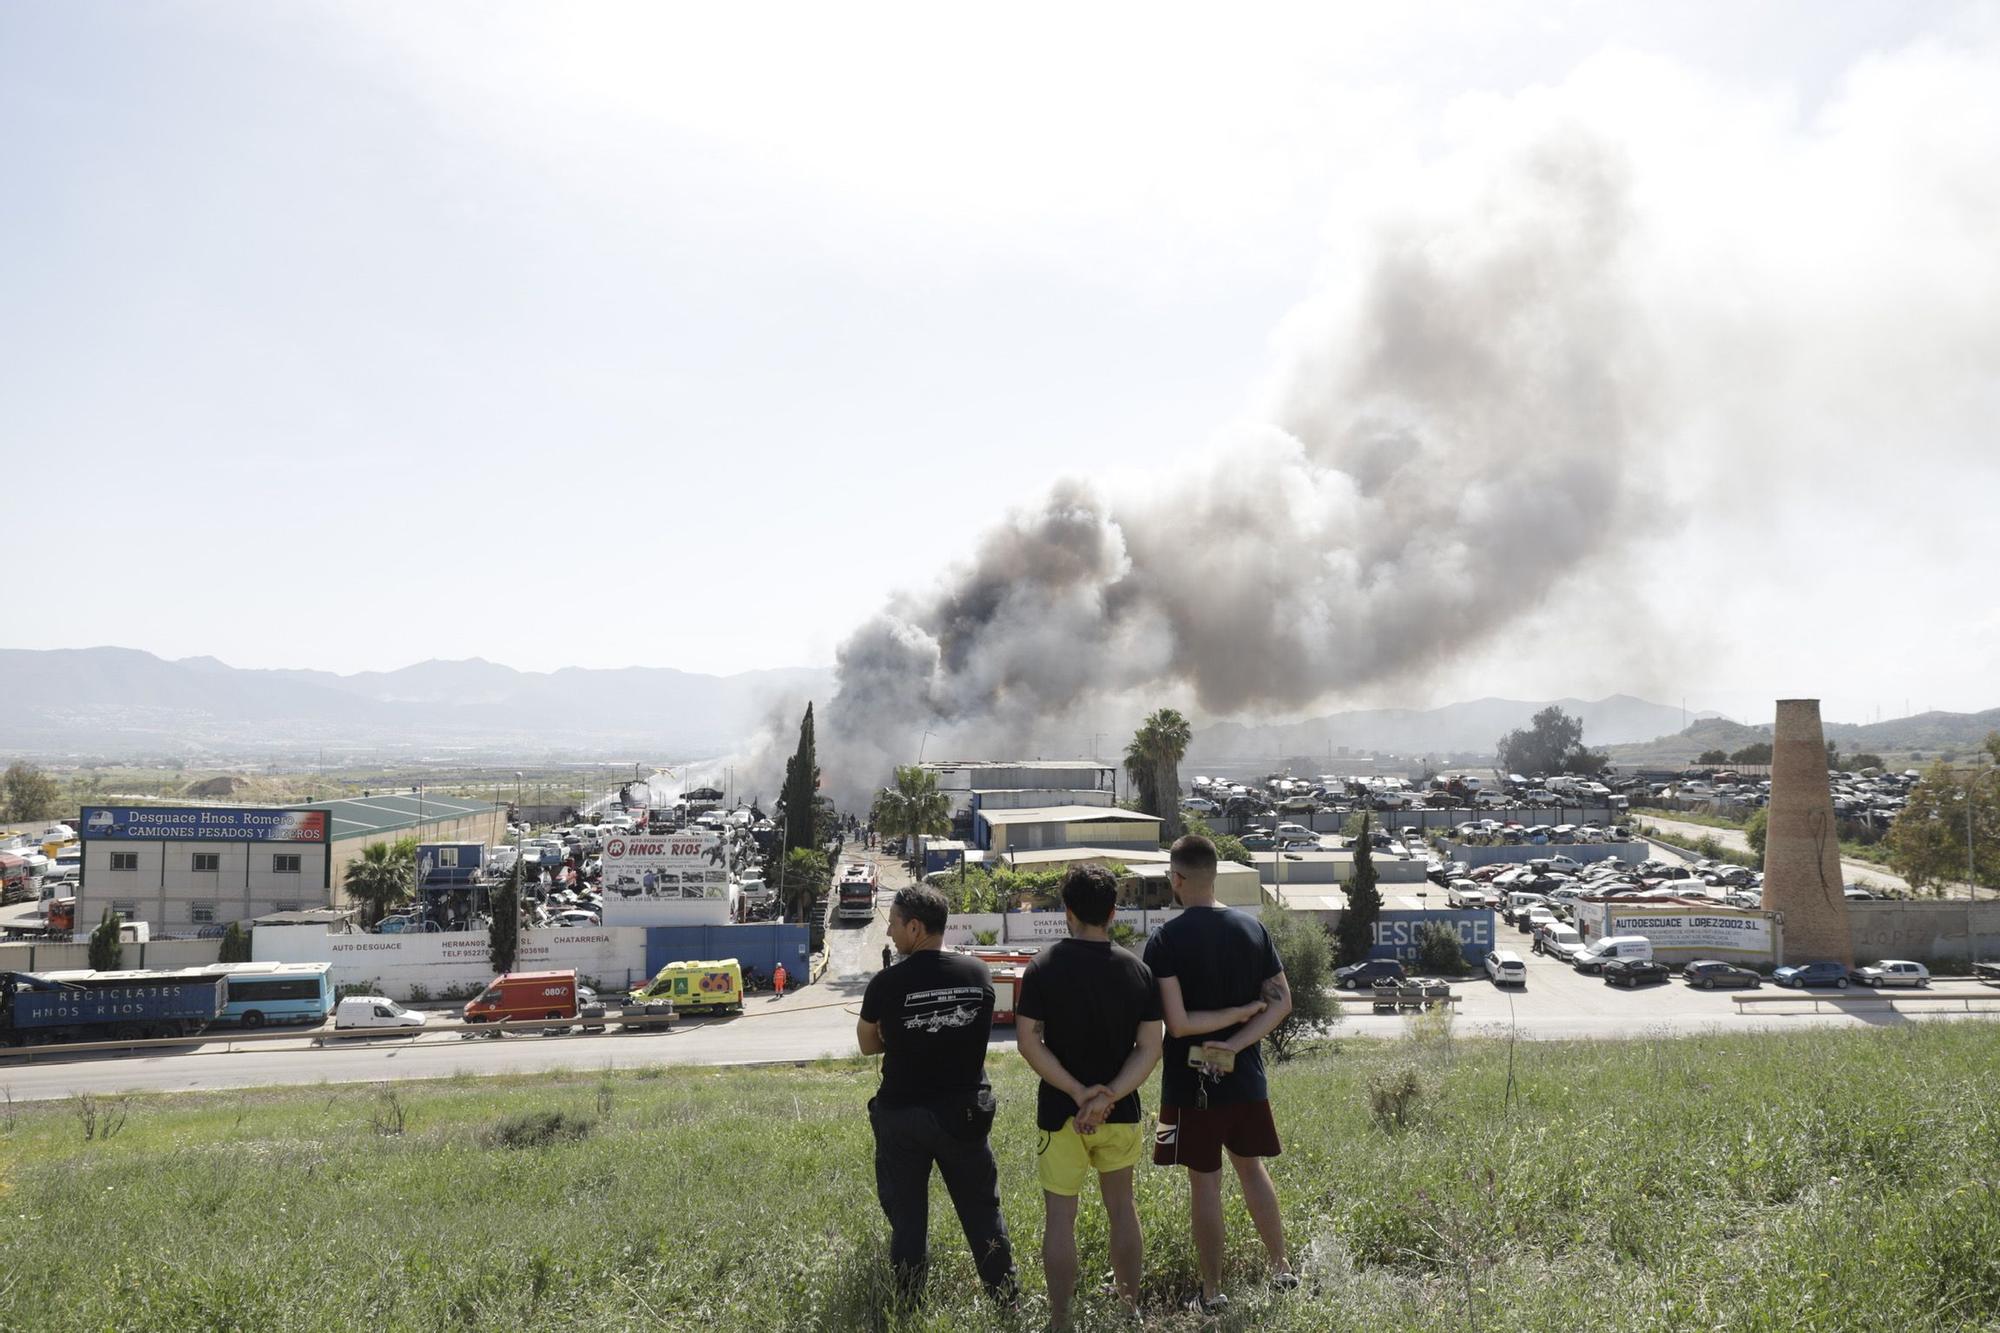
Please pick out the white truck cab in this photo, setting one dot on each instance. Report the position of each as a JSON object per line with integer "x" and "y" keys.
{"x": 1603, "y": 951}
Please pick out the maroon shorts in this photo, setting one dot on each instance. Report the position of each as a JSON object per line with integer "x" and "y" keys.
{"x": 1194, "y": 1137}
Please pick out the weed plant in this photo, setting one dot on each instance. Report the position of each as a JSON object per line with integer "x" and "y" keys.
{"x": 1817, "y": 1180}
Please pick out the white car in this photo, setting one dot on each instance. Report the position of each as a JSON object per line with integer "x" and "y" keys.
{"x": 1505, "y": 968}
{"x": 1894, "y": 972}
{"x": 577, "y": 916}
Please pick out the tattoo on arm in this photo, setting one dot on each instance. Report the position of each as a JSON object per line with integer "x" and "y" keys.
{"x": 1035, "y": 1026}
{"x": 1274, "y": 991}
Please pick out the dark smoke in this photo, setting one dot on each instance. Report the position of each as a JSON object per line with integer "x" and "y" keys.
{"x": 1454, "y": 432}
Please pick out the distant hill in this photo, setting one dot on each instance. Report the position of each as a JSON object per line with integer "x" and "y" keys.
{"x": 1462, "y": 728}
{"x": 119, "y": 701}
{"x": 1898, "y": 740}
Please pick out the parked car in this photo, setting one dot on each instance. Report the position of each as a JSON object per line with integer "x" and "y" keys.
{"x": 406, "y": 925}
{"x": 578, "y": 916}
{"x": 1367, "y": 972}
{"x": 1200, "y": 805}
{"x": 1505, "y": 968}
{"x": 1630, "y": 972}
{"x": 1712, "y": 974}
{"x": 1894, "y": 972}
{"x": 1801, "y": 975}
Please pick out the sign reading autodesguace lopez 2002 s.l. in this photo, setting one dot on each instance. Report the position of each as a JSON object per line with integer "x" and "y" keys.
{"x": 202, "y": 823}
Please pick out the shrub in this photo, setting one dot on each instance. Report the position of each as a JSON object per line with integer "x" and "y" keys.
{"x": 1395, "y": 1098}
{"x": 107, "y": 952}
{"x": 1303, "y": 949}
{"x": 235, "y": 945}
{"x": 419, "y": 992}
{"x": 537, "y": 1129}
{"x": 1439, "y": 950}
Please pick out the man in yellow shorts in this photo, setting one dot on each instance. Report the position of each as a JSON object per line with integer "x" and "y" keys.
{"x": 1088, "y": 1020}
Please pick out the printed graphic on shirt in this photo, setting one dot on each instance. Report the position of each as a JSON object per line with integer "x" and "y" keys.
{"x": 943, "y": 1007}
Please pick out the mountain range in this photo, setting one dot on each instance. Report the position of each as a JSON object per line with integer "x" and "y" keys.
{"x": 120, "y": 701}
{"x": 1462, "y": 728}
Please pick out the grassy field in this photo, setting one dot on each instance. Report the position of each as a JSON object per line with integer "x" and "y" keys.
{"x": 1816, "y": 1180}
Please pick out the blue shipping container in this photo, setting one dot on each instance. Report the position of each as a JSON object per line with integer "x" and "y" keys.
{"x": 449, "y": 862}
{"x": 760, "y": 945}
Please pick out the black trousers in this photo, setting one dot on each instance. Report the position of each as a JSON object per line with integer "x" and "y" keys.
{"x": 909, "y": 1140}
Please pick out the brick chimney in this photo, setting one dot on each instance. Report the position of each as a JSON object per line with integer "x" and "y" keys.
{"x": 1801, "y": 848}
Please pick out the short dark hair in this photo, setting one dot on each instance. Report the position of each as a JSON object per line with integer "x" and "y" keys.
{"x": 924, "y": 905}
{"x": 1193, "y": 855}
{"x": 1091, "y": 892}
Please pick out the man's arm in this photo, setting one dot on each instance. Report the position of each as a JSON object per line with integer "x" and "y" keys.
{"x": 1277, "y": 993}
{"x": 1181, "y": 1023}
{"x": 869, "y": 1036}
{"x": 1028, "y": 1040}
{"x": 1147, "y": 1041}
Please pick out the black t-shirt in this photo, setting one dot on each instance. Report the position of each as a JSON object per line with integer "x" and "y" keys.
{"x": 936, "y": 1012}
{"x": 1090, "y": 997}
{"x": 1221, "y": 958}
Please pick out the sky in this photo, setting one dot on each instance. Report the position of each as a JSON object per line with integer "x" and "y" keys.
{"x": 347, "y": 336}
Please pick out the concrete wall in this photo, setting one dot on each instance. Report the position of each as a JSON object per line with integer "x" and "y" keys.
{"x": 1335, "y": 868}
{"x": 615, "y": 956}
{"x": 1330, "y": 822}
{"x": 1927, "y": 932}
{"x": 64, "y": 957}
{"x": 1630, "y": 852}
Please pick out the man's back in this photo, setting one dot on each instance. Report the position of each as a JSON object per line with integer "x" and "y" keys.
{"x": 936, "y": 1012}
{"x": 1090, "y": 996}
{"x": 1220, "y": 958}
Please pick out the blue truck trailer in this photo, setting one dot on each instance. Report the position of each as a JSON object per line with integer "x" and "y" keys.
{"x": 106, "y": 1006}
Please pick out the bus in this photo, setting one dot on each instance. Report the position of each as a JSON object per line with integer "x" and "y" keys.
{"x": 261, "y": 993}
{"x": 858, "y": 882}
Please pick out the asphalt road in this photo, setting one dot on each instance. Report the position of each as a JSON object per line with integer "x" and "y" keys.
{"x": 1853, "y": 872}
{"x": 817, "y": 1021}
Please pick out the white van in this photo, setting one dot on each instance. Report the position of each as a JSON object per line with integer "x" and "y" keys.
{"x": 373, "y": 1011}
{"x": 1597, "y": 955}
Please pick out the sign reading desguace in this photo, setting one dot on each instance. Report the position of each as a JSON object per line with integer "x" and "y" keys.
{"x": 202, "y": 823}
{"x": 694, "y": 864}
{"x": 1396, "y": 933}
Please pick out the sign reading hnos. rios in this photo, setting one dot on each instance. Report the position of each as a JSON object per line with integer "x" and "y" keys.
{"x": 201, "y": 823}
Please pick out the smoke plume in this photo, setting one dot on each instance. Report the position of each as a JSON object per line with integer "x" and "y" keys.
{"x": 1452, "y": 434}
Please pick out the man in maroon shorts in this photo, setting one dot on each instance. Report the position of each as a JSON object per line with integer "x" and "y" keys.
{"x": 1222, "y": 987}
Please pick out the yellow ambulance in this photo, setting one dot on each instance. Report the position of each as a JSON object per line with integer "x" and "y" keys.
{"x": 694, "y": 987}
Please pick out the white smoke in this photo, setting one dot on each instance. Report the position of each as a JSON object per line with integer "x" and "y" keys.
{"x": 1512, "y": 369}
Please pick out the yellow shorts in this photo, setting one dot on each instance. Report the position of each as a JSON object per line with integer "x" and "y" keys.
{"x": 1064, "y": 1159}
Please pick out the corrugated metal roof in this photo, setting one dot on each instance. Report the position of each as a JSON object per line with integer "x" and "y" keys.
{"x": 1066, "y": 814}
{"x": 362, "y": 816}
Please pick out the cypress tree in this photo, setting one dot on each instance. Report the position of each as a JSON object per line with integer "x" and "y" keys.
{"x": 801, "y": 787}
{"x": 1364, "y": 902}
{"x": 503, "y": 936}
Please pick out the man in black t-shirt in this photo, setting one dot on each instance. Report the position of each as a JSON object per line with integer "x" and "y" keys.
{"x": 929, "y": 1017}
{"x": 1088, "y": 1021}
{"x": 1220, "y": 981}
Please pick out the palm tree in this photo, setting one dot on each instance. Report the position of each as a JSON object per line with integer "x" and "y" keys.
{"x": 913, "y": 808}
{"x": 383, "y": 878}
{"x": 1153, "y": 760}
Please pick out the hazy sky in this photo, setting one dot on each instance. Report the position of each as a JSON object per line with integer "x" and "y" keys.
{"x": 346, "y": 336}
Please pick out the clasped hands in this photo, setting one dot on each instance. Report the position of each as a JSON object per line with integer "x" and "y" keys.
{"x": 1092, "y": 1105}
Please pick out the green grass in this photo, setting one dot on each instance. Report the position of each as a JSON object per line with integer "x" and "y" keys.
{"x": 1809, "y": 1180}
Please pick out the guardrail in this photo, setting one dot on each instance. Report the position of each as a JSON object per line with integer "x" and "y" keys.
{"x": 321, "y": 1037}
{"x": 1843, "y": 999}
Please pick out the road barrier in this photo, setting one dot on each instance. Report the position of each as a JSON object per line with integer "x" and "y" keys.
{"x": 322, "y": 1037}
{"x": 1843, "y": 1000}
